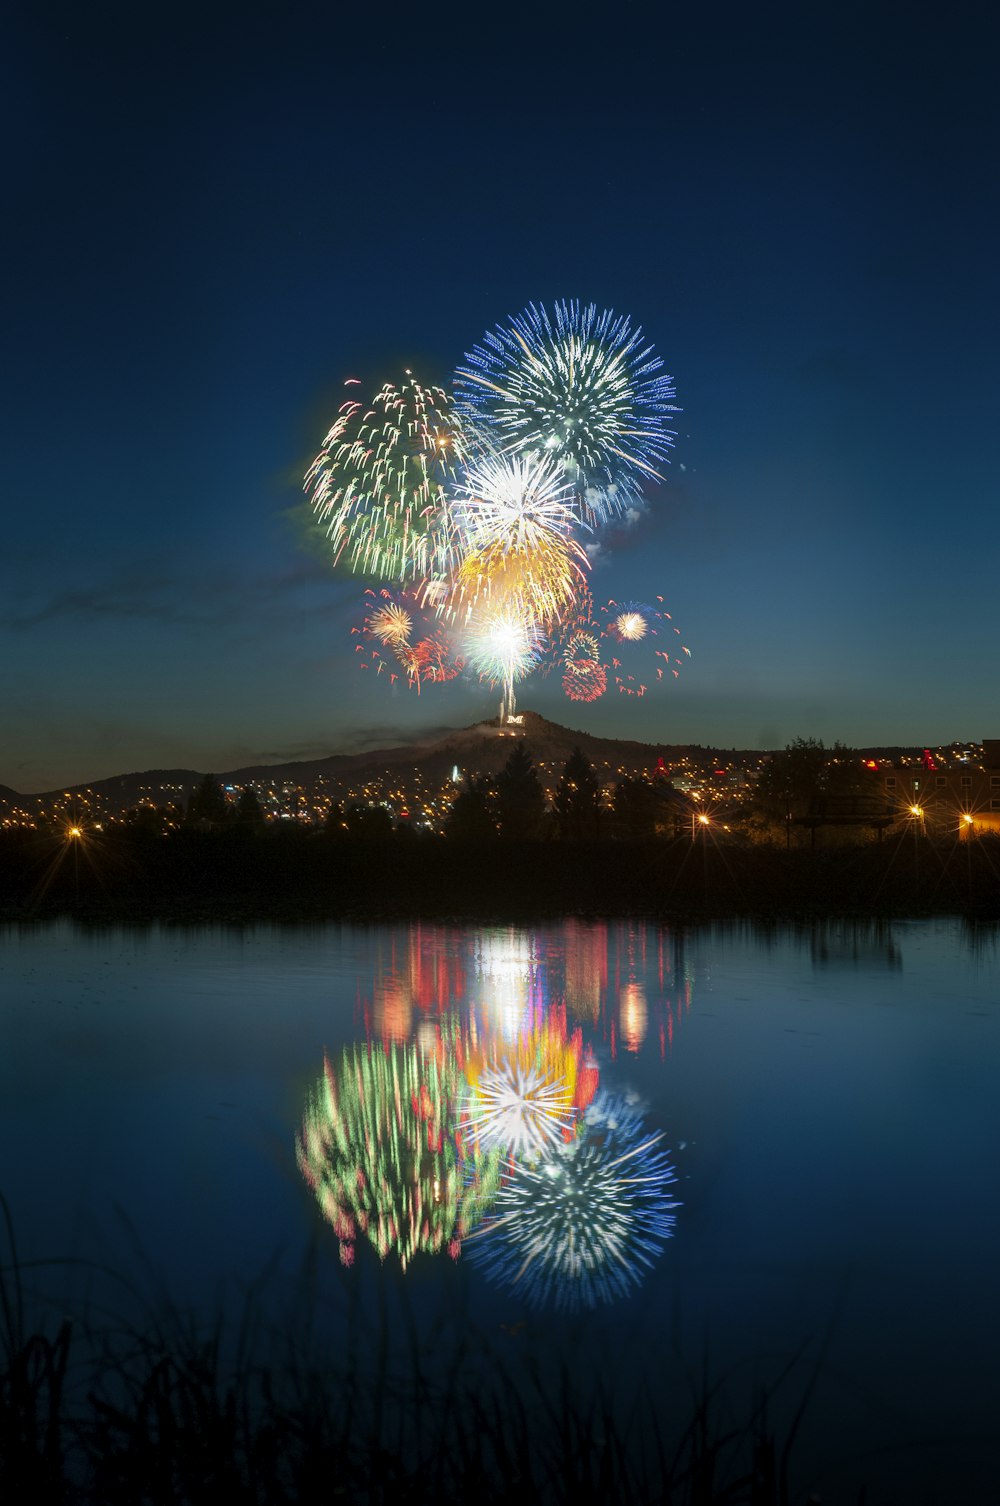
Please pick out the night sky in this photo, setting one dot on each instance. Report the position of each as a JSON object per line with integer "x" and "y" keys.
{"x": 215, "y": 215}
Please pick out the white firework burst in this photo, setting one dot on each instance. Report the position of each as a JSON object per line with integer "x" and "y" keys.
{"x": 503, "y": 645}
{"x": 515, "y": 502}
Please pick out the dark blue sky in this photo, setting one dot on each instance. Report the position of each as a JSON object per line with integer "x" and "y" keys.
{"x": 213, "y": 216}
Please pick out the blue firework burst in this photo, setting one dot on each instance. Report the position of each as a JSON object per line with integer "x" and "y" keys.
{"x": 583, "y": 1224}
{"x": 581, "y": 385}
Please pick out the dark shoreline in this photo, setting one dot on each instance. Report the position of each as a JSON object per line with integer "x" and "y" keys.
{"x": 306, "y": 877}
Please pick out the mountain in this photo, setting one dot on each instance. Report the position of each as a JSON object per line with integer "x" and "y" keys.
{"x": 482, "y": 748}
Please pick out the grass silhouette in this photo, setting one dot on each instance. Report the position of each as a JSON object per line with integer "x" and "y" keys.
{"x": 165, "y": 1409}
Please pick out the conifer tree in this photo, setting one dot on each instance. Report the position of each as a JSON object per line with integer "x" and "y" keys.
{"x": 520, "y": 797}
{"x": 471, "y": 817}
{"x": 207, "y": 805}
{"x": 577, "y": 803}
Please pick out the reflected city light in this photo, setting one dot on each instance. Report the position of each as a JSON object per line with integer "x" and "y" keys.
{"x": 505, "y": 967}
{"x": 393, "y": 1010}
{"x": 586, "y": 969}
{"x": 634, "y": 1015}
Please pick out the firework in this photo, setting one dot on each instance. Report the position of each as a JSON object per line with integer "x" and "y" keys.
{"x": 630, "y": 623}
{"x": 513, "y": 524}
{"x": 584, "y": 676}
{"x": 380, "y": 483}
{"x": 635, "y": 623}
{"x": 513, "y": 501}
{"x": 502, "y": 646}
{"x": 401, "y": 639}
{"x": 584, "y": 1224}
{"x": 377, "y": 1150}
{"x": 581, "y": 387}
{"x": 391, "y": 623}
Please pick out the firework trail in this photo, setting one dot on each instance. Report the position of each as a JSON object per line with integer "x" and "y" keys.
{"x": 379, "y": 485}
{"x": 581, "y": 387}
{"x": 585, "y": 1223}
{"x": 626, "y": 624}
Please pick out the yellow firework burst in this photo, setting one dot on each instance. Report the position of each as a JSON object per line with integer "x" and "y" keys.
{"x": 539, "y": 582}
{"x": 391, "y": 624}
{"x": 630, "y": 626}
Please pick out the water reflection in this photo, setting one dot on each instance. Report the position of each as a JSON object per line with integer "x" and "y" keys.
{"x": 508, "y": 981}
{"x": 868, "y": 944}
{"x": 378, "y": 1147}
{"x": 526, "y": 1096}
{"x": 583, "y": 1223}
{"x": 473, "y": 1115}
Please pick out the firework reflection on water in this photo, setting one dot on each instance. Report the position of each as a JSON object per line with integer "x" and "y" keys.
{"x": 584, "y": 1223}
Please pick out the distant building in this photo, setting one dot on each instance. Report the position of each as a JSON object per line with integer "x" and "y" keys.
{"x": 958, "y": 797}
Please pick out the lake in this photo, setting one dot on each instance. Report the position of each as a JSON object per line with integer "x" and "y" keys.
{"x": 666, "y": 1159}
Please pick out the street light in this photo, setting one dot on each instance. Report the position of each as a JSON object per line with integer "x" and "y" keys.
{"x": 699, "y": 819}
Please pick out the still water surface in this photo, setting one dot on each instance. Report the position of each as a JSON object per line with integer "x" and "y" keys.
{"x": 654, "y": 1150}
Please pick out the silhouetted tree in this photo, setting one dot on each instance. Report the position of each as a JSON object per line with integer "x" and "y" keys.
{"x": 638, "y": 810}
{"x": 520, "y": 797}
{"x": 472, "y": 815}
{"x": 154, "y": 818}
{"x": 372, "y": 823}
{"x": 207, "y": 805}
{"x": 577, "y": 803}
{"x": 248, "y": 809}
{"x": 801, "y": 781}
{"x": 333, "y": 825}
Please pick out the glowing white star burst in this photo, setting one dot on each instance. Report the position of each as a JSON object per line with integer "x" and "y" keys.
{"x": 518, "y": 1109}
{"x": 503, "y": 646}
